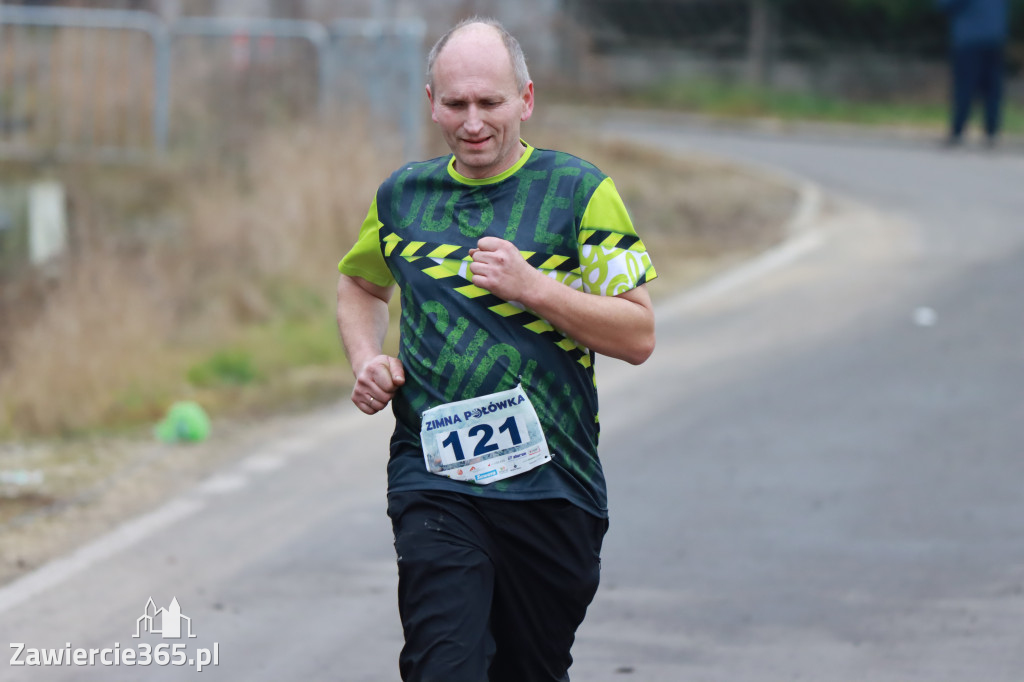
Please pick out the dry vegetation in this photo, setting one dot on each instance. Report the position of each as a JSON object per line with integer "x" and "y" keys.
{"x": 170, "y": 265}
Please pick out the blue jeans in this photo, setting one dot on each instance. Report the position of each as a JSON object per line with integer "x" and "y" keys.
{"x": 977, "y": 72}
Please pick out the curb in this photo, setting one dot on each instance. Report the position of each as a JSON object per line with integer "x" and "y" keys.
{"x": 802, "y": 237}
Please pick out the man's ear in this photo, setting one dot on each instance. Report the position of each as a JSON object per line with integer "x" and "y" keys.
{"x": 430, "y": 98}
{"x": 527, "y": 102}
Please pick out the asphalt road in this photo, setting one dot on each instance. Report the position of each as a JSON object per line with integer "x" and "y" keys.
{"x": 819, "y": 475}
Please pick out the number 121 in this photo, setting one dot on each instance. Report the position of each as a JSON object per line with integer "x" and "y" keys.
{"x": 483, "y": 444}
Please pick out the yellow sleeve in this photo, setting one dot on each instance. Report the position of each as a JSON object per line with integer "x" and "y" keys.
{"x": 613, "y": 258}
{"x": 366, "y": 259}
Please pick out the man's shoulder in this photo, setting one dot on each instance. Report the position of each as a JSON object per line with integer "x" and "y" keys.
{"x": 418, "y": 169}
{"x": 574, "y": 176}
{"x": 551, "y": 159}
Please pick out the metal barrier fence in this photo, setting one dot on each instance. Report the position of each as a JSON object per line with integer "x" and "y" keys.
{"x": 120, "y": 84}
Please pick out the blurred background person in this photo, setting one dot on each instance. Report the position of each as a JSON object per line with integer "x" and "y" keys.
{"x": 978, "y": 34}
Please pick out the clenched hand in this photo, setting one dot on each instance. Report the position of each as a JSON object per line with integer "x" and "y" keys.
{"x": 499, "y": 268}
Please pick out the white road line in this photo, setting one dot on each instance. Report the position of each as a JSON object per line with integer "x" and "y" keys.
{"x": 263, "y": 463}
{"x": 121, "y": 538}
{"x": 222, "y": 483}
{"x": 803, "y": 238}
{"x": 133, "y": 532}
{"x": 771, "y": 260}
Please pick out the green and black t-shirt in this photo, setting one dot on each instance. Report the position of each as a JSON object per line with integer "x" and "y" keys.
{"x": 459, "y": 341}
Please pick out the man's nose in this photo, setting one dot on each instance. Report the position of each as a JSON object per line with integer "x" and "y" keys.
{"x": 474, "y": 122}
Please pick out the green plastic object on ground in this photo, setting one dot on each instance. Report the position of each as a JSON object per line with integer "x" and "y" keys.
{"x": 186, "y": 422}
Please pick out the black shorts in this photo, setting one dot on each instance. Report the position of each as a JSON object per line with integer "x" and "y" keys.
{"x": 492, "y": 590}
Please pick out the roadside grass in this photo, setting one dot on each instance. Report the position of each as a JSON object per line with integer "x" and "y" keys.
{"x": 735, "y": 100}
{"x": 185, "y": 281}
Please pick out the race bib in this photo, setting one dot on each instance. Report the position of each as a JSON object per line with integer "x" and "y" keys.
{"x": 484, "y": 439}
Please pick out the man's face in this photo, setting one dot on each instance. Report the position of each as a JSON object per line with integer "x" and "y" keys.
{"x": 475, "y": 102}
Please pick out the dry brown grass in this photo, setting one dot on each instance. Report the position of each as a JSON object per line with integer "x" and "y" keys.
{"x": 290, "y": 214}
{"x": 109, "y": 338}
{"x": 95, "y": 334}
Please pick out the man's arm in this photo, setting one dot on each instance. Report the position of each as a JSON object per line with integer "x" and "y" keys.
{"x": 363, "y": 323}
{"x": 618, "y": 326}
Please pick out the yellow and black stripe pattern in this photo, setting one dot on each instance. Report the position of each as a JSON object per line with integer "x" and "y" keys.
{"x": 455, "y": 259}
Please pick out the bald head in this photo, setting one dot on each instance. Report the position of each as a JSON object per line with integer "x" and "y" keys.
{"x": 478, "y": 34}
{"x": 477, "y": 97}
